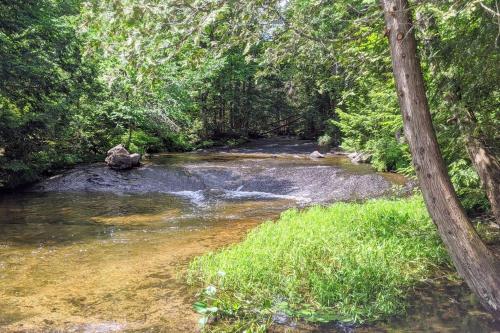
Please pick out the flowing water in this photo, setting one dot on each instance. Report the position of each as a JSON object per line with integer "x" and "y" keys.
{"x": 95, "y": 250}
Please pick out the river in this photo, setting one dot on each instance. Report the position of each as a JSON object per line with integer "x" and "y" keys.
{"x": 95, "y": 250}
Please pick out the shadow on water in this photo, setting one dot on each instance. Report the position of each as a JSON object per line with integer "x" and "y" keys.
{"x": 94, "y": 250}
{"x": 433, "y": 308}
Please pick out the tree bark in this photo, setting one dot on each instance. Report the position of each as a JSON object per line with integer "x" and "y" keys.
{"x": 129, "y": 138}
{"x": 473, "y": 261}
{"x": 485, "y": 163}
{"x": 488, "y": 169}
{"x": 204, "y": 115}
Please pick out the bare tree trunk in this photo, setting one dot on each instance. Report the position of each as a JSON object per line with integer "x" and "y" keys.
{"x": 129, "y": 138}
{"x": 220, "y": 117}
{"x": 473, "y": 261}
{"x": 204, "y": 115}
{"x": 488, "y": 169}
{"x": 485, "y": 163}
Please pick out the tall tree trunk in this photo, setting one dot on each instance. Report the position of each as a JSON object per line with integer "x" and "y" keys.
{"x": 129, "y": 138}
{"x": 488, "y": 169}
{"x": 473, "y": 261}
{"x": 204, "y": 115}
{"x": 248, "y": 110}
{"x": 222, "y": 117}
{"x": 484, "y": 161}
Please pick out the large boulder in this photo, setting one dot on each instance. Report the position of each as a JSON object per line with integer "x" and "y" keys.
{"x": 360, "y": 157}
{"x": 120, "y": 159}
{"x": 120, "y": 149}
{"x": 135, "y": 159}
{"x": 316, "y": 154}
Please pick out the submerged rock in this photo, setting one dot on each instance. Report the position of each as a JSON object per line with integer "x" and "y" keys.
{"x": 360, "y": 157}
{"x": 205, "y": 179}
{"x": 120, "y": 159}
{"x": 316, "y": 154}
{"x": 202, "y": 180}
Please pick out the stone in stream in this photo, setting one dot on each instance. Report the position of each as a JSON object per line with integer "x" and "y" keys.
{"x": 316, "y": 154}
{"x": 120, "y": 159}
{"x": 135, "y": 158}
{"x": 120, "y": 149}
{"x": 360, "y": 157}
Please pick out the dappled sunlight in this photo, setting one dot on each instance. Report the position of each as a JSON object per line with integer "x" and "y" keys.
{"x": 142, "y": 141}
{"x": 138, "y": 219}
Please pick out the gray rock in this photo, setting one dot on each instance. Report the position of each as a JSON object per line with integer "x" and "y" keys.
{"x": 120, "y": 159}
{"x": 360, "y": 157}
{"x": 135, "y": 159}
{"x": 120, "y": 149}
{"x": 316, "y": 154}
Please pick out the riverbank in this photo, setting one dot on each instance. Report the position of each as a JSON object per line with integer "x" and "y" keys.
{"x": 349, "y": 263}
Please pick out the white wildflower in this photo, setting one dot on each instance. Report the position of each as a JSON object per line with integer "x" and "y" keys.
{"x": 210, "y": 290}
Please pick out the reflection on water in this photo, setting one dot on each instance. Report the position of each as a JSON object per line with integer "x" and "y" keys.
{"x": 104, "y": 262}
{"x": 81, "y": 257}
{"x": 434, "y": 308}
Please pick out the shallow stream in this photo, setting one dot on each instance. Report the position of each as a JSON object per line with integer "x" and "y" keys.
{"x": 95, "y": 250}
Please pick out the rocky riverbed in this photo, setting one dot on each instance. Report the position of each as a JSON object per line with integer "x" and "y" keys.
{"x": 99, "y": 250}
{"x": 264, "y": 169}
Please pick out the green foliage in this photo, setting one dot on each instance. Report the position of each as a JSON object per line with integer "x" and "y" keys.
{"x": 63, "y": 100}
{"x": 141, "y": 142}
{"x": 461, "y": 63}
{"x": 43, "y": 86}
{"x": 349, "y": 262}
{"x": 372, "y": 123}
{"x": 80, "y": 76}
{"x": 468, "y": 186}
{"x": 388, "y": 154}
{"x": 325, "y": 140}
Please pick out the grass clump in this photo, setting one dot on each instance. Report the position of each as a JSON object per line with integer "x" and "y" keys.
{"x": 350, "y": 262}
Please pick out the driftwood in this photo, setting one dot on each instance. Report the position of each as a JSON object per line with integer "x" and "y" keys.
{"x": 296, "y": 118}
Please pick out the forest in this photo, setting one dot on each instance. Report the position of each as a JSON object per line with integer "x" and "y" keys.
{"x": 414, "y": 85}
{"x": 79, "y": 77}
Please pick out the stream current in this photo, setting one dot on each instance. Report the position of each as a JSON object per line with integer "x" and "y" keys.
{"x": 96, "y": 250}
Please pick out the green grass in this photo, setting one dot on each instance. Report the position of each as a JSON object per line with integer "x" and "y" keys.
{"x": 350, "y": 262}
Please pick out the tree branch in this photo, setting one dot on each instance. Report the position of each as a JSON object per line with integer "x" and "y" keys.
{"x": 489, "y": 10}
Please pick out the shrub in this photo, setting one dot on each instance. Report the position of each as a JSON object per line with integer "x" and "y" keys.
{"x": 325, "y": 140}
{"x": 388, "y": 154}
{"x": 468, "y": 186}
